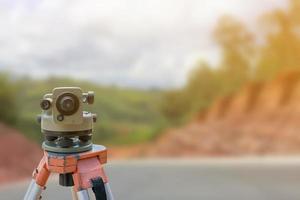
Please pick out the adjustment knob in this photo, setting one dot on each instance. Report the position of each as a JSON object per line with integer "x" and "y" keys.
{"x": 90, "y": 97}
{"x": 94, "y": 118}
{"x": 46, "y": 104}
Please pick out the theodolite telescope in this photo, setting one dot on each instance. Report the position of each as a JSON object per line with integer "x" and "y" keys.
{"x": 66, "y": 127}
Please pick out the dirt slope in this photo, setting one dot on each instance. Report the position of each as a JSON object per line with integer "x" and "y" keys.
{"x": 261, "y": 119}
{"x": 18, "y": 155}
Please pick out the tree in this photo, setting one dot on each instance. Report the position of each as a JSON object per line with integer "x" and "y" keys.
{"x": 175, "y": 105}
{"x": 281, "y": 48}
{"x": 207, "y": 82}
{"x": 7, "y": 100}
{"x": 237, "y": 47}
{"x": 202, "y": 87}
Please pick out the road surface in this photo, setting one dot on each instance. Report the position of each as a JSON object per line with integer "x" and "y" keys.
{"x": 247, "y": 179}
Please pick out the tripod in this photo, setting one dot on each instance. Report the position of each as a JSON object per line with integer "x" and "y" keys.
{"x": 81, "y": 171}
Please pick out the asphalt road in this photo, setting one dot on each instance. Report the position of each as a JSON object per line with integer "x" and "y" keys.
{"x": 247, "y": 179}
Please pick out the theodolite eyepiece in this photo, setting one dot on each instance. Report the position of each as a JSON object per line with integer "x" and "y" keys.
{"x": 67, "y": 128}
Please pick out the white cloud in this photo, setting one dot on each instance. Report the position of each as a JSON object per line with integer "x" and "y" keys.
{"x": 129, "y": 43}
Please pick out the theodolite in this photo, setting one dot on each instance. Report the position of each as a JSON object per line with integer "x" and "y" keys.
{"x": 68, "y": 147}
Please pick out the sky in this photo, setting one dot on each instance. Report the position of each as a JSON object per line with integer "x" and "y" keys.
{"x": 132, "y": 43}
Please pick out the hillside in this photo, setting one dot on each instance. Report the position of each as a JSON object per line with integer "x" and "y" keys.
{"x": 261, "y": 119}
{"x": 18, "y": 155}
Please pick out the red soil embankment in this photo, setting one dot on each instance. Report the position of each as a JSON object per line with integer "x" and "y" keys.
{"x": 261, "y": 119}
{"x": 18, "y": 155}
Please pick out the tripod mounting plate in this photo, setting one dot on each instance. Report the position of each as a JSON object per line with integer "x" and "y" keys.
{"x": 63, "y": 163}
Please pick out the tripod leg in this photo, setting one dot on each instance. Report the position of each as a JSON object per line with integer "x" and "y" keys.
{"x": 98, "y": 187}
{"x": 101, "y": 190}
{"x": 109, "y": 195}
{"x": 83, "y": 195}
{"x": 74, "y": 194}
{"x": 37, "y": 185}
{"x": 34, "y": 191}
{"x": 90, "y": 174}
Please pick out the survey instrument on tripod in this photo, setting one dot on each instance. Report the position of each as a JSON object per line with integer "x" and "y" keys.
{"x": 68, "y": 147}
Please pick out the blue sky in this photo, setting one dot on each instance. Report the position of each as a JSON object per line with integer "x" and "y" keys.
{"x": 132, "y": 43}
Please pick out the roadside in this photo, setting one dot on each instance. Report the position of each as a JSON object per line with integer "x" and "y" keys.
{"x": 18, "y": 155}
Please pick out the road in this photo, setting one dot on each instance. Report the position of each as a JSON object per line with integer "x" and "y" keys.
{"x": 247, "y": 179}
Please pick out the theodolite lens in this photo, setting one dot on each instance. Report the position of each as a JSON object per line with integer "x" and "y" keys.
{"x": 67, "y": 104}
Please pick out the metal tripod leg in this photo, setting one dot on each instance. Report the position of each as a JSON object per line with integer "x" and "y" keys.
{"x": 38, "y": 183}
{"x": 34, "y": 191}
{"x": 109, "y": 195}
{"x": 90, "y": 174}
{"x": 83, "y": 195}
{"x": 74, "y": 194}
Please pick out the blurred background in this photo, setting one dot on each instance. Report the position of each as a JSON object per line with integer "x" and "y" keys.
{"x": 173, "y": 79}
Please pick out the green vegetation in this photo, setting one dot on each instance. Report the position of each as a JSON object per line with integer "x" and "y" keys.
{"x": 245, "y": 57}
{"x": 7, "y": 100}
{"x": 126, "y": 116}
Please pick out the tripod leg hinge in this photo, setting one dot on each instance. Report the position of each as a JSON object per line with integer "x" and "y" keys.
{"x": 87, "y": 170}
{"x": 41, "y": 173}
